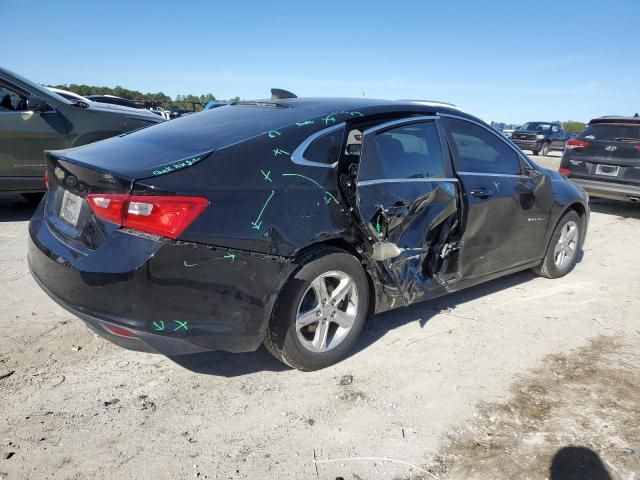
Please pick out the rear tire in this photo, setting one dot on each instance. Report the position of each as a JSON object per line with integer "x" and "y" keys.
{"x": 308, "y": 335}
{"x": 545, "y": 149}
{"x": 564, "y": 247}
{"x": 535, "y": 152}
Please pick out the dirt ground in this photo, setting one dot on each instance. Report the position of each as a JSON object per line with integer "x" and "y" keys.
{"x": 521, "y": 377}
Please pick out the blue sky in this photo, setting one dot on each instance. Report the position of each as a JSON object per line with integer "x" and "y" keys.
{"x": 501, "y": 60}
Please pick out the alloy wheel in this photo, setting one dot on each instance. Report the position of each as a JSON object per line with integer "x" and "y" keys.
{"x": 327, "y": 311}
{"x": 567, "y": 245}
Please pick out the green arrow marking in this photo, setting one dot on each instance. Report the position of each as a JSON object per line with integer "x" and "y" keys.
{"x": 329, "y": 119}
{"x": 378, "y": 228}
{"x": 159, "y": 326}
{"x": 306, "y": 122}
{"x": 327, "y": 196}
{"x": 266, "y": 175}
{"x": 181, "y": 325}
{"x": 228, "y": 256}
{"x": 257, "y": 223}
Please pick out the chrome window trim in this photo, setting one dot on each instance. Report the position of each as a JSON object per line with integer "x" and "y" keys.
{"x": 364, "y": 183}
{"x": 476, "y": 174}
{"x": 400, "y": 121}
{"x": 298, "y": 154}
{"x": 502, "y": 138}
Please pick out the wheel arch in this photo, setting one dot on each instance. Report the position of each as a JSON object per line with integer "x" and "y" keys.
{"x": 338, "y": 243}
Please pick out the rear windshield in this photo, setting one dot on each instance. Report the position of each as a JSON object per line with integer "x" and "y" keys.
{"x": 536, "y": 126}
{"x": 611, "y": 133}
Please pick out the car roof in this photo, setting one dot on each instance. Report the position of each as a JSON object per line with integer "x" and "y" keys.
{"x": 635, "y": 120}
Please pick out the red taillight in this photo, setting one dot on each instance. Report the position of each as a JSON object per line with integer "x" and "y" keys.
{"x": 46, "y": 179}
{"x": 574, "y": 143}
{"x": 119, "y": 331}
{"x": 638, "y": 147}
{"x": 565, "y": 171}
{"x": 164, "y": 216}
{"x": 108, "y": 206}
{"x": 167, "y": 216}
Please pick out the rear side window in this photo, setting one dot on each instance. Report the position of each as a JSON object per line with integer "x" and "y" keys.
{"x": 410, "y": 151}
{"x": 480, "y": 151}
{"x": 326, "y": 148}
{"x": 611, "y": 133}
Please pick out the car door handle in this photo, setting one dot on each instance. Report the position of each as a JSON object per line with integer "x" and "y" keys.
{"x": 481, "y": 192}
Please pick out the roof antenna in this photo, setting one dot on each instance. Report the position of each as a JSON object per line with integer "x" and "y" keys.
{"x": 280, "y": 94}
{"x": 636, "y": 116}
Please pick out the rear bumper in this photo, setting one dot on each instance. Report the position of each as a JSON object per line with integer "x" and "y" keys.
{"x": 609, "y": 190}
{"x": 173, "y": 298}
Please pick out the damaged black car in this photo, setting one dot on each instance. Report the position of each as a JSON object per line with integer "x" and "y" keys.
{"x": 290, "y": 221}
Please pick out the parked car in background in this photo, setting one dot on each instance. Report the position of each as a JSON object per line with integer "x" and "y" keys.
{"x": 211, "y": 104}
{"x": 289, "y": 221}
{"x": 540, "y": 137}
{"x": 71, "y": 96}
{"x": 508, "y": 132}
{"x": 180, "y": 112}
{"x": 33, "y": 119}
{"x": 604, "y": 158}
{"x": 112, "y": 99}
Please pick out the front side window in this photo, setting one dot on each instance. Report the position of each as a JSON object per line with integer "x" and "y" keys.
{"x": 481, "y": 151}
{"x": 11, "y": 101}
{"x": 410, "y": 151}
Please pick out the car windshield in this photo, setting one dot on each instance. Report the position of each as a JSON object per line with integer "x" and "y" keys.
{"x": 611, "y": 132}
{"x": 536, "y": 126}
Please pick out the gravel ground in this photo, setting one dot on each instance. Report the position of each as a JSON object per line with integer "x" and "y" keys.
{"x": 521, "y": 377}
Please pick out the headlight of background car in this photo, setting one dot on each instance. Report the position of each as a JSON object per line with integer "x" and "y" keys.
{"x": 539, "y": 137}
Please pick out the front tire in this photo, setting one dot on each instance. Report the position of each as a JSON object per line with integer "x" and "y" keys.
{"x": 535, "y": 152}
{"x": 320, "y": 311}
{"x": 564, "y": 247}
{"x": 545, "y": 149}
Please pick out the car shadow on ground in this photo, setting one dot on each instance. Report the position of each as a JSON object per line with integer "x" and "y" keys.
{"x": 14, "y": 208}
{"x": 612, "y": 207}
{"x": 227, "y": 364}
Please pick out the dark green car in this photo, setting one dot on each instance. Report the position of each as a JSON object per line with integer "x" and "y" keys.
{"x": 33, "y": 119}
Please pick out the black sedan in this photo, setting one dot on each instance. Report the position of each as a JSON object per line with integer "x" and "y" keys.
{"x": 290, "y": 221}
{"x": 604, "y": 158}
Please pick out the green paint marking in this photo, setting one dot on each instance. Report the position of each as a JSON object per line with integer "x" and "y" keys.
{"x": 181, "y": 325}
{"x": 267, "y": 175}
{"x": 329, "y": 119}
{"x": 257, "y": 223}
{"x": 306, "y": 122}
{"x": 378, "y": 227}
{"x": 273, "y": 133}
{"x": 159, "y": 326}
{"x": 356, "y": 114}
{"x": 229, "y": 255}
{"x": 279, "y": 151}
{"x": 327, "y": 196}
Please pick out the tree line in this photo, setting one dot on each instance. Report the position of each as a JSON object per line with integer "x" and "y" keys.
{"x": 158, "y": 99}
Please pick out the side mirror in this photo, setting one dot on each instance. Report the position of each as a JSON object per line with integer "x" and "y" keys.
{"x": 37, "y": 104}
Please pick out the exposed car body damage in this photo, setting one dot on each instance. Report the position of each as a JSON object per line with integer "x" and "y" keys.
{"x": 270, "y": 200}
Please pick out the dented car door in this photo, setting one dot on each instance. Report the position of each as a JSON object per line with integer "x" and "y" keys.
{"x": 408, "y": 202}
{"x": 506, "y": 205}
